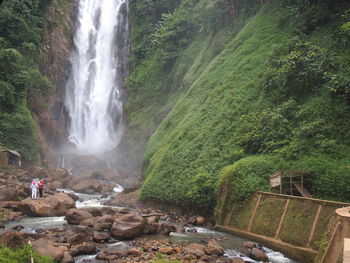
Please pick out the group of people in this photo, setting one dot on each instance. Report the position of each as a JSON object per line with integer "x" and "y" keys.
{"x": 37, "y": 184}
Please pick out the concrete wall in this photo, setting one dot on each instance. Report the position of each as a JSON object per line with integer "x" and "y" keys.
{"x": 299, "y": 227}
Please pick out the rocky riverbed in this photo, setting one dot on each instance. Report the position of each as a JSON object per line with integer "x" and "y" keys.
{"x": 56, "y": 226}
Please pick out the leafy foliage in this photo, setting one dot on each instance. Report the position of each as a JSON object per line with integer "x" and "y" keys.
{"x": 21, "y": 26}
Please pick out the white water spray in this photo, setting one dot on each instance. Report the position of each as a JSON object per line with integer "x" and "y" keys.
{"x": 99, "y": 63}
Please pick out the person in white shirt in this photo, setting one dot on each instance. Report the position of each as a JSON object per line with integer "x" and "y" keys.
{"x": 34, "y": 188}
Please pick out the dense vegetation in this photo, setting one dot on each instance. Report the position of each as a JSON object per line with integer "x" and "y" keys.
{"x": 21, "y": 26}
{"x": 251, "y": 85}
{"x": 21, "y": 255}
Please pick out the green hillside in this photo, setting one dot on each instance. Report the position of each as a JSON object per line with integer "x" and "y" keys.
{"x": 259, "y": 87}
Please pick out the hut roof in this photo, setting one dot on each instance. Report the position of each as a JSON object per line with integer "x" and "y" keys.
{"x": 10, "y": 151}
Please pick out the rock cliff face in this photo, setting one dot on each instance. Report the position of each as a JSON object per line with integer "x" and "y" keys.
{"x": 48, "y": 111}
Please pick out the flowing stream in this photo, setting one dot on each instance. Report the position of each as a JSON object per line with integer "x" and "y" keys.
{"x": 99, "y": 63}
{"x": 228, "y": 241}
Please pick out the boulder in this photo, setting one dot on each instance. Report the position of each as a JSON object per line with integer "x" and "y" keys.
{"x": 213, "y": 248}
{"x": 38, "y": 172}
{"x": 128, "y": 226}
{"x": 67, "y": 258}
{"x": 88, "y": 186}
{"x": 101, "y": 237}
{"x": 152, "y": 219}
{"x": 76, "y": 216}
{"x": 150, "y": 228}
{"x": 258, "y": 255}
{"x": 54, "y": 205}
{"x": 59, "y": 174}
{"x": 104, "y": 223}
{"x": 85, "y": 248}
{"x": 12, "y": 239}
{"x": 60, "y": 203}
{"x": 9, "y": 194}
{"x": 80, "y": 234}
{"x": 249, "y": 244}
{"x": 200, "y": 220}
{"x": 31, "y": 207}
{"x": 55, "y": 184}
{"x": 106, "y": 188}
{"x": 195, "y": 249}
{"x": 73, "y": 196}
{"x": 165, "y": 228}
{"x": 46, "y": 247}
{"x": 101, "y": 211}
{"x": 89, "y": 222}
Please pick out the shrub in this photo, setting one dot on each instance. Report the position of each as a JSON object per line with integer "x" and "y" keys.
{"x": 248, "y": 175}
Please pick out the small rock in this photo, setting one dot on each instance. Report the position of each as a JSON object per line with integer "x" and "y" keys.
{"x": 166, "y": 250}
{"x": 134, "y": 252}
{"x": 207, "y": 258}
{"x": 191, "y": 230}
{"x": 200, "y": 220}
{"x": 244, "y": 250}
{"x": 18, "y": 228}
{"x": 189, "y": 257}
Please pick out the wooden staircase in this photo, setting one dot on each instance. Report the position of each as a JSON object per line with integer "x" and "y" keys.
{"x": 302, "y": 190}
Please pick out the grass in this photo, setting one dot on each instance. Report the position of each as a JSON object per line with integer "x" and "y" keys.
{"x": 268, "y": 216}
{"x": 21, "y": 255}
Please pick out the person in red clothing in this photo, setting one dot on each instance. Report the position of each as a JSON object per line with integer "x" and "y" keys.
{"x": 41, "y": 187}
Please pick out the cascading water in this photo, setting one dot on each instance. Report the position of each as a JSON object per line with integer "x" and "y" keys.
{"x": 99, "y": 63}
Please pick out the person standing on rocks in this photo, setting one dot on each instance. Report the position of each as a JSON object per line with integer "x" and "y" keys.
{"x": 34, "y": 188}
{"x": 41, "y": 187}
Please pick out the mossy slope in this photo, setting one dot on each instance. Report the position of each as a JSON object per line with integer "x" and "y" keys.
{"x": 243, "y": 90}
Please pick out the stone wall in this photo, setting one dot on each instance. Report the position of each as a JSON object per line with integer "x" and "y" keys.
{"x": 299, "y": 227}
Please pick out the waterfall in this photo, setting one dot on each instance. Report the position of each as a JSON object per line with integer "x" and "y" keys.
{"x": 93, "y": 97}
